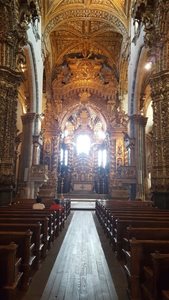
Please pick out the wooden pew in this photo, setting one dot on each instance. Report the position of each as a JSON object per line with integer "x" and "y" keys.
{"x": 109, "y": 219}
{"x": 57, "y": 221}
{"x": 156, "y": 277}
{"x": 107, "y": 216}
{"x": 144, "y": 233}
{"x": 111, "y": 224}
{"x": 37, "y": 236}
{"x": 123, "y": 203}
{"x": 53, "y": 218}
{"x": 165, "y": 295}
{"x": 27, "y": 203}
{"x": 27, "y": 220}
{"x": 103, "y": 206}
{"x": 10, "y": 274}
{"x": 137, "y": 259}
{"x": 25, "y": 251}
{"x": 106, "y": 211}
{"x": 120, "y": 231}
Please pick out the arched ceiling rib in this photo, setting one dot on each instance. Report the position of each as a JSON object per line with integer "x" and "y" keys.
{"x": 97, "y": 15}
{"x": 74, "y": 24}
{"x": 105, "y": 43}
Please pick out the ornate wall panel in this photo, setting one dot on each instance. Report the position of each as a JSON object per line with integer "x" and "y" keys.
{"x": 14, "y": 19}
{"x": 155, "y": 18}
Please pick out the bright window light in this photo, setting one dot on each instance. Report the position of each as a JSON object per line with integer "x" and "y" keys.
{"x": 83, "y": 144}
{"x": 101, "y": 135}
{"x": 66, "y": 133}
{"x": 61, "y": 155}
{"x": 148, "y": 66}
{"x": 66, "y": 157}
{"x": 99, "y": 158}
{"x": 104, "y": 158}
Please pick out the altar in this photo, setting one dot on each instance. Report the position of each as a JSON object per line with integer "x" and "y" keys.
{"x": 83, "y": 186}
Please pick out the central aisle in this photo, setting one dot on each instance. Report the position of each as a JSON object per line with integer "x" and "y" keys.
{"x": 80, "y": 270}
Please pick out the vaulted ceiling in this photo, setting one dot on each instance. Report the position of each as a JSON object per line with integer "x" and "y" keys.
{"x": 86, "y": 51}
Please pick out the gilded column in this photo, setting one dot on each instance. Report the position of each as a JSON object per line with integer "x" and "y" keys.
{"x": 55, "y": 153}
{"x": 160, "y": 162}
{"x": 158, "y": 43}
{"x": 10, "y": 78}
{"x": 112, "y": 156}
{"x": 55, "y": 163}
{"x": 51, "y": 149}
{"x": 70, "y": 163}
{"x": 139, "y": 123}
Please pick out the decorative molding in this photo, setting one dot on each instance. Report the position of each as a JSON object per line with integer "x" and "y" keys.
{"x": 78, "y": 14}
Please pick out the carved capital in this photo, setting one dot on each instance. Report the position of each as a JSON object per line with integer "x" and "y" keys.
{"x": 139, "y": 119}
{"x": 28, "y": 118}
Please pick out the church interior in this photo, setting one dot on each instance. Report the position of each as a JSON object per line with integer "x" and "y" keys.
{"x": 84, "y": 117}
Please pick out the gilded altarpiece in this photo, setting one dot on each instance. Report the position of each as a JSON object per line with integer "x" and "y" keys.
{"x": 82, "y": 174}
{"x": 85, "y": 101}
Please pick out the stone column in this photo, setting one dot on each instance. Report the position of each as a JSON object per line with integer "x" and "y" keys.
{"x": 138, "y": 123}
{"x": 37, "y": 142}
{"x": 26, "y": 153}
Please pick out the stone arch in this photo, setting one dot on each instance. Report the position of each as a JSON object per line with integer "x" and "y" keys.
{"x": 32, "y": 75}
{"x": 140, "y": 77}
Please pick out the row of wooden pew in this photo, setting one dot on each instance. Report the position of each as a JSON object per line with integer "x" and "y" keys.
{"x": 26, "y": 235}
{"x": 139, "y": 235}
